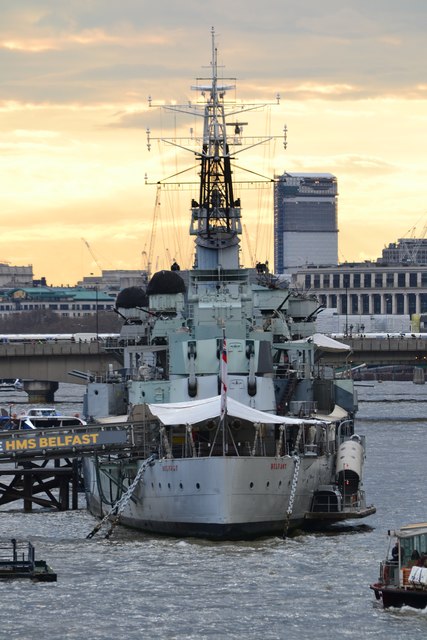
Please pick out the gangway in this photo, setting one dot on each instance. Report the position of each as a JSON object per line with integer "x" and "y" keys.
{"x": 42, "y": 466}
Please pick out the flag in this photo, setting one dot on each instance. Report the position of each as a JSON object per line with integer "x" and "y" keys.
{"x": 223, "y": 376}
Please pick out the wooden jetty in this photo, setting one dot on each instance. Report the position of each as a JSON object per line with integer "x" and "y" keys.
{"x": 42, "y": 466}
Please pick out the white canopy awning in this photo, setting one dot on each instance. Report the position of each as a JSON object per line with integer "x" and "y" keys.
{"x": 325, "y": 343}
{"x": 322, "y": 342}
{"x": 196, "y": 411}
{"x": 410, "y": 530}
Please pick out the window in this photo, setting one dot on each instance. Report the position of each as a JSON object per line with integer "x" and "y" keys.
{"x": 412, "y": 303}
{"x": 401, "y": 280}
{"x": 400, "y": 303}
{"x": 356, "y": 281}
{"x": 368, "y": 280}
{"x": 353, "y": 303}
{"x": 412, "y": 280}
{"x": 378, "y": 280}
{"x": 376, "y": 303}
{"x": 365, "y": 303}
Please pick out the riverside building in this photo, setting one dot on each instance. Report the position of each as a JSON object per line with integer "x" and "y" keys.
{"x": 369, "y": 288}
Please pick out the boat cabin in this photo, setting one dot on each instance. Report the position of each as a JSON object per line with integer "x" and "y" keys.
{"x": 403, "y": 573}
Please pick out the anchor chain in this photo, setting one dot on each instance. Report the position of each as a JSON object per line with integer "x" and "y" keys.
{"x": 289, "y": 510}
{"x": 117, "y": 509}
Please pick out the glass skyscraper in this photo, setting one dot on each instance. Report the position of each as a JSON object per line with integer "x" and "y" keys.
{"x": 305, "y": 221}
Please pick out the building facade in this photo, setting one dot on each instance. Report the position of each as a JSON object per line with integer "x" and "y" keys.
{"x": 405, "y": 251}
{"x": 305, "y": 220}
{"x": 114, "y": 280}
{"x": 367, "y": 288}
{"x": 67, "y": 302}
{"x": 15, "y": 276}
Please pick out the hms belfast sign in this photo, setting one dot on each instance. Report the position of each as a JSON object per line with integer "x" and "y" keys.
{"x": 33, "y": 442}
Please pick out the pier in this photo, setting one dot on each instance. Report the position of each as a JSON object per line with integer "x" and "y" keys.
{"x": 41, "y": 467}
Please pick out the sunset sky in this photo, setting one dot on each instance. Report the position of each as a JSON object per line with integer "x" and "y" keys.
{"x": 75, "y": 79}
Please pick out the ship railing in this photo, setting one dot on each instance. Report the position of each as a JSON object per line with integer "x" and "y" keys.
{"x": 389, "y": 572}
{"x": 310, "y": 449}
{"x": 325, "y": 503}
{"x": 23, "y": 555}
{"x": 301, "y": 408}
{"x": 290, "y": 370}
{"x": 345, "y": 430}
{"x": 354, "y": 501}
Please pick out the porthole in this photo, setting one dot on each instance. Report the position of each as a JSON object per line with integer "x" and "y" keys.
{"x": 268, "y": 484}
{"x": 160, "y": 485}
{"x": 169, "y": 485}
{"x": 197, "y": 485}
{"x": 280, "y": 483}
{"x": 251, "y": 485}
{"x": 180, "y": 485}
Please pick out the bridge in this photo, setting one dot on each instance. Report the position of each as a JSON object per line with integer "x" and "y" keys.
{"x": 384, "y": 351}
{"x": 42, "y": 366}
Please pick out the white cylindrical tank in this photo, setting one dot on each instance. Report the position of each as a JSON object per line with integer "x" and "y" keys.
{"x": 350, "y": 456}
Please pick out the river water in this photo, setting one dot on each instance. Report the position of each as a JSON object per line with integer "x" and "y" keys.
{"x": 309, "y": 586}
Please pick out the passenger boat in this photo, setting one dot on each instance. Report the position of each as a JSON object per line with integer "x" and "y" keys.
{"x": 403, "y": 573}
{"x": 240, "y": 428}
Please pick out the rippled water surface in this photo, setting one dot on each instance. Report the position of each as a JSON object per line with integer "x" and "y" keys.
{"x": 310, "y": 586}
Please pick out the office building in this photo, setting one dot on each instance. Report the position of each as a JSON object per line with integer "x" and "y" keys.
{"x": 305, "y": 221}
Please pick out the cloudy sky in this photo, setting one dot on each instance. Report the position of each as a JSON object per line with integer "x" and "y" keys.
{"x": 75, "y": 78}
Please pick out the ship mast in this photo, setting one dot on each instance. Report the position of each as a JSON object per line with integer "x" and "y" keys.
{"x": 216, "y": 215}
{"x": 216, "y": 218}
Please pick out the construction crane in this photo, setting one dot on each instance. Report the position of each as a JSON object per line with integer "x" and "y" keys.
{"x": 412, "y": 245}
{"x": 92, "y": 254}
{"x": 252, "y": 257}
{"x": 153, "y": 230}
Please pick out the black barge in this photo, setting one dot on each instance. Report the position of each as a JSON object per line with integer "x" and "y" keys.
{"x": 21, "y": 563}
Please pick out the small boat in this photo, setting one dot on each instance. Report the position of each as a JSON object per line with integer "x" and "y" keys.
{"x": 403, "y": 573}
{"x": 8, "y": 384}
{"x": 21, "y": 563}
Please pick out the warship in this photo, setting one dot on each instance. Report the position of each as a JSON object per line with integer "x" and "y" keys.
{"x": 243, "y": 431}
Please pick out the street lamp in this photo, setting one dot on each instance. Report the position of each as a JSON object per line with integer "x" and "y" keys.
{"x": 346, "y": 284}
{"x": 96, "y": 314}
